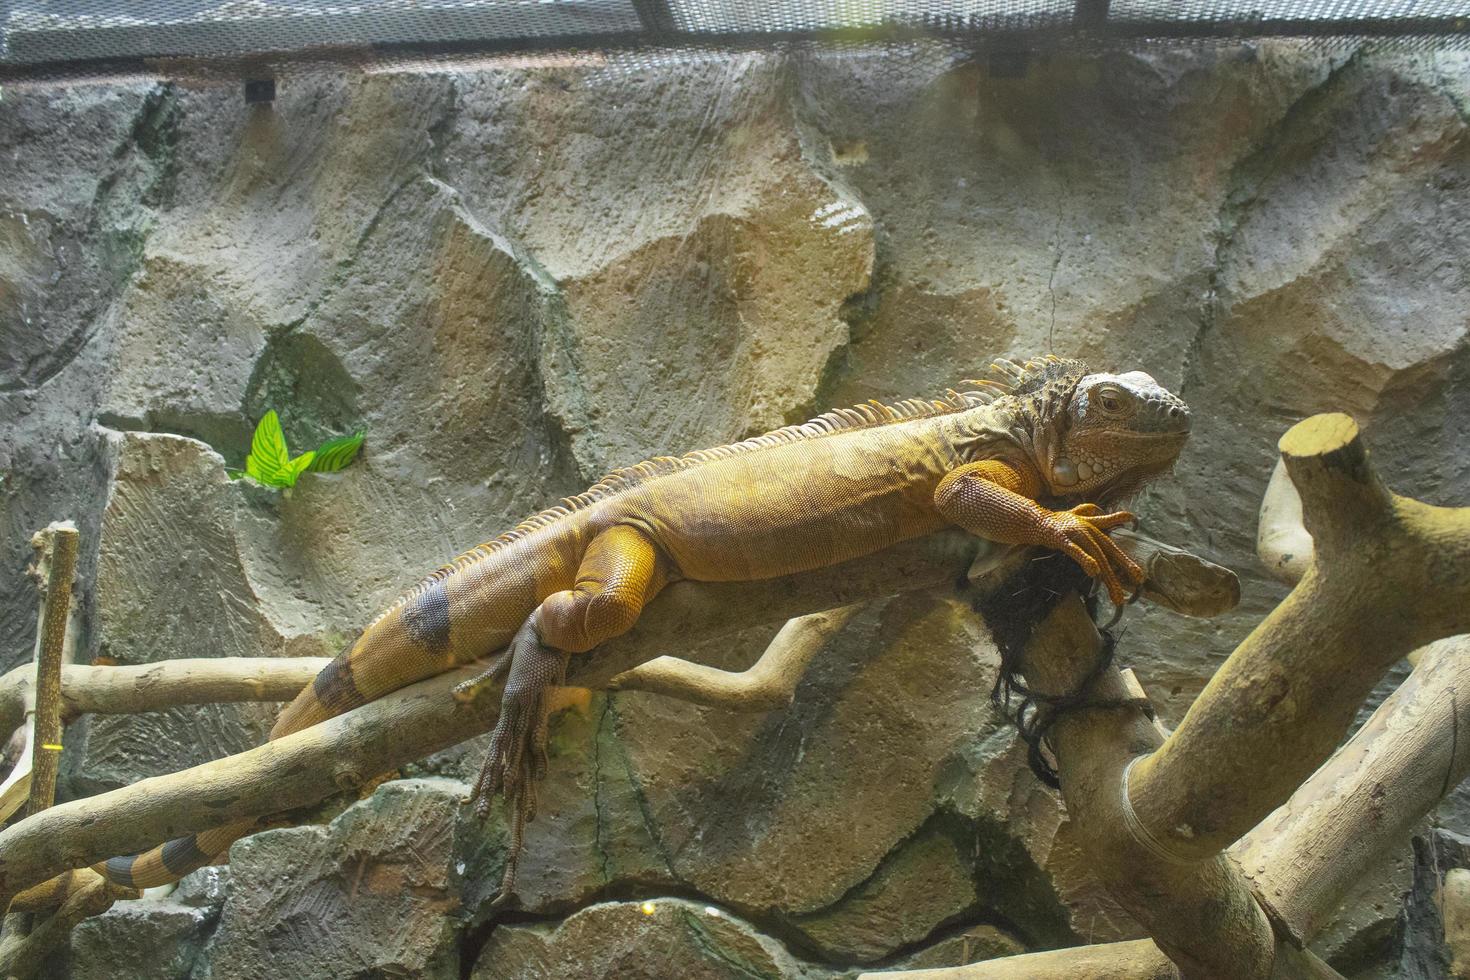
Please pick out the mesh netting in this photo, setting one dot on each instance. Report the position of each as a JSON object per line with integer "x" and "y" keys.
{"x": 41, "y": 38}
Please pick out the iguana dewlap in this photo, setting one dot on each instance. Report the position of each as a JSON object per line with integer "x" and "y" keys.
{"x": 994, "y": 461}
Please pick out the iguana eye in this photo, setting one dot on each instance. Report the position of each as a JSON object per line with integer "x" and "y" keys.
{"x": 1111, "y": 399}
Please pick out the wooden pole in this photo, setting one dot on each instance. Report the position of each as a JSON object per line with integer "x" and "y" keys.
{"x": 29, "y": 941}
{"x": 61, "y": 545}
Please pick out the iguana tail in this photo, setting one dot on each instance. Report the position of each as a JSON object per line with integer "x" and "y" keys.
{"x": 409, "y": 642}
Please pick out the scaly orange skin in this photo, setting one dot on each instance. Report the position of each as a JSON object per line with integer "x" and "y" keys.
{"x": 807, "y": 497}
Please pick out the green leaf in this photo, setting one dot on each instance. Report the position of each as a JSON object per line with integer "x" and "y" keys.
{"x": 267, "y": 476}
{"x": 270, "y": 461}
{"x": 234, "y": 474}
{"x": 334, "y": 454}
{"x": 298, "y": 466}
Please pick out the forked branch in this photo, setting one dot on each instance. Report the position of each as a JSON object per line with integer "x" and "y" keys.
{"x": 1379, "y": 576}
{"x": 1388, "y": 574}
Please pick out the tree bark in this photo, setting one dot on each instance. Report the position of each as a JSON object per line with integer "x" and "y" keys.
{"x": 128, "y": 689}
{"x": 344, "y": 752}
{"x": 60, "y": 542}
{"x": 1367, "y": 798}
{"x": 1388, "y": 574}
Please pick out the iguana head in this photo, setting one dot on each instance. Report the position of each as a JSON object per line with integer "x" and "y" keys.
{"x": 1118, "y": 431}
{"x": 1093, "y": 436}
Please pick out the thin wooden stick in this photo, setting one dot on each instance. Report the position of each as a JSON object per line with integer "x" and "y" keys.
{"x": 30, "y": 942}
{"x": 50, "y": 628}
{"x": 61, "y": 543}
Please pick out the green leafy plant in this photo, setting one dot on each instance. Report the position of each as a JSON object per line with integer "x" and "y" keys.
{"x": 272, "y": 464}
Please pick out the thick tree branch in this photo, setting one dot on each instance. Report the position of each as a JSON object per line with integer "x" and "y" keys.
{"x": 1388, "y": 574}
{"x": 1202, "y": 915}
{"x": 1306, "y": 856}
{"x": 1367, "y": 798}
{"x": 344, "y": 752}
{"x": 151, "y": 687}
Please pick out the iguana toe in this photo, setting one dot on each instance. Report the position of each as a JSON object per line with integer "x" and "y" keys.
{"x": 1082, "y": 534}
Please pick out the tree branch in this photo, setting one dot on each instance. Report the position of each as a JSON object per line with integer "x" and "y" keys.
{"x": 1201, "y": 915}
{"x": 1367, "y": 798}
{"x": 1203, "y": 918}
{"x": 1175, "y": 579}
{"x": 767, "y": 684}
{"x": 345, "y": 751}
{"x": 152, "y": 687}
{"x": 1282, "y": 541}
{"x": 60, "y": 543}
{"x": 1139, "y": 959}
{"x": 24, "y": 953}
{"x": 1180, "y": 580}
{"x": 1388, "y": 574}
{"x": 30, "y": 941}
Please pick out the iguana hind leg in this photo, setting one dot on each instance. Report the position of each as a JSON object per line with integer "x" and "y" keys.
{"x": 621, "y": 570}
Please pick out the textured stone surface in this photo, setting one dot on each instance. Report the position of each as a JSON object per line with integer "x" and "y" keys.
{"x": 651, "y": 940}
{"x": 824, "y": 788}
{"x": 590, "y": 831}
{"x": 1428, "y": 939}
{"x": 168, "y": 538}
{"x": 161, "y": 940}
{"x": 698, "y": 298}
{"x": 372, "y": 893}
{"x": 1364, "y": 932}
{"x": 928, "y": 881}
{"x": 969, "y": 945}
{"x": 517, "y": 275}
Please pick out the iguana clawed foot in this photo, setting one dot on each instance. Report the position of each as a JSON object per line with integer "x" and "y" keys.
{"x": 517, "y": 756}
{"x": 1082, "y": 534}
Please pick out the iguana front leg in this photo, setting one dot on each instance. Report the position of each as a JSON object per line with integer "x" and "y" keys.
{"x": 997, "y": 501}
{"x": 621, "y": 570}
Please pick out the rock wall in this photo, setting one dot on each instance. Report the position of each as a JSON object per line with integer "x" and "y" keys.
{"x": 516, "y": 275}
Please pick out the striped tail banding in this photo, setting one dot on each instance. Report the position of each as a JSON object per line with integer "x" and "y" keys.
{"x": 171, "y": 861}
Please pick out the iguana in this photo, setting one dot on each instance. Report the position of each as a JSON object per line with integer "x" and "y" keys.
{"x": 995, "y": 460}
